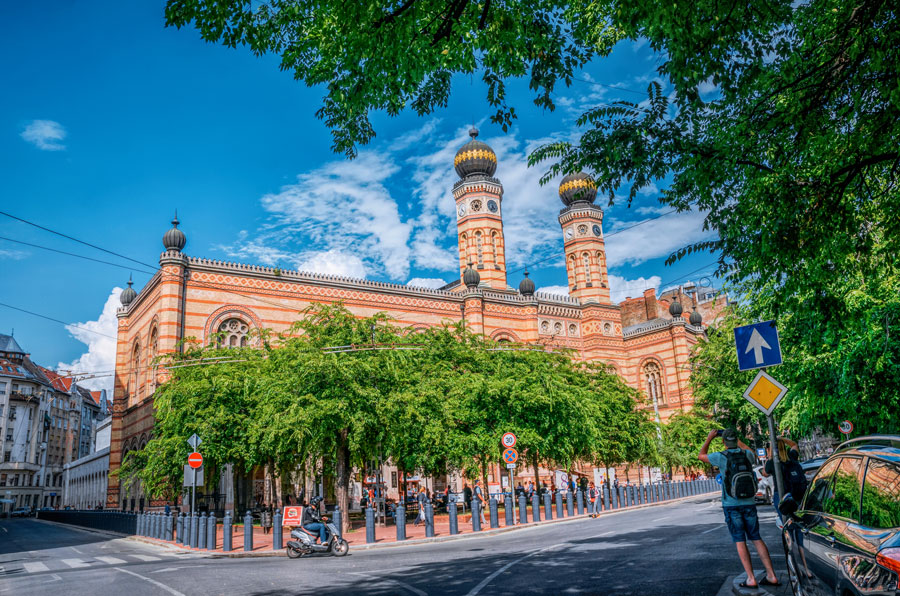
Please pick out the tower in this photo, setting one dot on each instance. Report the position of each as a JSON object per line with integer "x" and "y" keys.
{"x": 478, "y": 209}
{"x": 582, "y": 226}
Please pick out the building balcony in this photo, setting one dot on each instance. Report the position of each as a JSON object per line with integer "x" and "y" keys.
{"x": 26, "y": 397}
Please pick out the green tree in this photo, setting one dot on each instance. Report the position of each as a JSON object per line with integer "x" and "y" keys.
{"x": 683, "y": 436}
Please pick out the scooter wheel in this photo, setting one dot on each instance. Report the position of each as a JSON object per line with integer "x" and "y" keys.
{"x": 294, "y": 553}
{"x": 341, "y": 548}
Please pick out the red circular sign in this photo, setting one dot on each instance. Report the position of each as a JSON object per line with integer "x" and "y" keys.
{"x": 508, "y": 440}
{"x": 195, "y": 460}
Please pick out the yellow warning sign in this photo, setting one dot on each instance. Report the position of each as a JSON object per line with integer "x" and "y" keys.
{"x": 765, "y": 392}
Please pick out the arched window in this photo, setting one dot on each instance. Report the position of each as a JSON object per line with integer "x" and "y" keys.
{"x": 601, "y": 267}
{"x": 653, "y": 377}
{"x": 586, "y": 259}
{"x": 135, "y": 374}
{"x": 479, "y": 249}
{"x": 233, "y": 333}
{"x": 572, "y": 272}
{"x": 153, "y": 352}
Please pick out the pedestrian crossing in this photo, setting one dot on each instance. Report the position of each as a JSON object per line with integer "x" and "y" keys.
{"x": 27, "y": 567}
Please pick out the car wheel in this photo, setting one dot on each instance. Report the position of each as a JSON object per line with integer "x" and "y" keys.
{"x": 793, "y": 575}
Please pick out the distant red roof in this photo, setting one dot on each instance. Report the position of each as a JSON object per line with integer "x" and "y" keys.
{"x": 59, "y": 382}
{"x": 96, "y": 395}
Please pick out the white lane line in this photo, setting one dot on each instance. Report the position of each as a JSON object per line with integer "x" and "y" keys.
{"x": 35, "y": 567}
{"x": 489, "y": 578}
{"x": 110, "y": 560}
{"x": 401, "y": 584}
{"x": 75, "y": 563}
{"x": 145, "y": 557}
{"x": 76, "y": 550}
{"x": 160, "y": 585}
{"x": 711, "y": 530}
{"x": 661, "y": 518}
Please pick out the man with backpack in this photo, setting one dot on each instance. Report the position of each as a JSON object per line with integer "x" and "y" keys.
{"x": 738, "y": 501}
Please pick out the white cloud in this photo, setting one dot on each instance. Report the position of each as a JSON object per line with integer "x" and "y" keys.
{"x": 101, "y": 349}
{"x": 621, "y": 288}
{"x": 655, "y": 238}
{"x": 342, "y": 213}
{"x": 555, "y": 290}
{"x": 426, "y": 282}
{"x": 45, "y": 135}
{"x": 11, "y": 253}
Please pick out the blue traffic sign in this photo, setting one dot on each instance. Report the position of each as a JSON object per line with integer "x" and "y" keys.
{"x": 757, "y": 345}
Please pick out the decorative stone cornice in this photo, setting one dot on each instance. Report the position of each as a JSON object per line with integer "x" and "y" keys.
{"x": 477, "y": 183}
{"x": 576, "y": 210}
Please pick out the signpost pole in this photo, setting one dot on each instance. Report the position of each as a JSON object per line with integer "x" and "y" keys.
{"x": 512, "y": 492}
{"x": 193, "y": 490}
{"x": 773, "y": 440}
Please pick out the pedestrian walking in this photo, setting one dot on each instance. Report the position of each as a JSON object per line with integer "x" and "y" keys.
{"x": 265, "y": 520}
{"x": 594, "y": 496}
{"x": 421, "y": 499}
{"x": 738, "y": 501}
{"x": 482, "y": 502}
{"x": 467, "y": 494}
{"x": 792, "y": 473}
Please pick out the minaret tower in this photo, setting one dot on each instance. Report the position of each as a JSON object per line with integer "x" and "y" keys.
{"x": 479, "y": 218}
{"x": 582, "y": 225}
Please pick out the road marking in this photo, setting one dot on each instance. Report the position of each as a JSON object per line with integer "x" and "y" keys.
{"x": 660, "y": 518}
{"x": 4, "y": 528}
{"x": 110, "y": 560}
{"x": 161, "y": 585}
{"x": 76, "y": 550}
{"x": 403, "y": 585}
{"x": 711, "y": 530}
{"x": 35, "y": 567}
{"x": 75, "y": 563}
{"x": 489, "y": 578}
{"x": 146, "y": 557}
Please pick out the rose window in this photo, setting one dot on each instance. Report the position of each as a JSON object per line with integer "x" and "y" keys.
{"x": 233, "y": 333}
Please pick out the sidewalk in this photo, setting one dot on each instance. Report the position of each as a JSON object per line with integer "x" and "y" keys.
{"x": 386, "y": 536}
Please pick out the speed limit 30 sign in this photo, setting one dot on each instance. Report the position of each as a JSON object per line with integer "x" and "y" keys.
{"x": 508, "y": 440}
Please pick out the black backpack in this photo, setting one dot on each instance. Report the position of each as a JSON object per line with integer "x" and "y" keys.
{"x": 740, "y": 480}
{"x": 795, "y": 481}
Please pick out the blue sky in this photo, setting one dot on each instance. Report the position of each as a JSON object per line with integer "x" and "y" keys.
{"x": 109, "y": 122}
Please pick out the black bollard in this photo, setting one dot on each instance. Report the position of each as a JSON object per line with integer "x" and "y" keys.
{"x": 535, "y": 507}
{"x": 211, "y": 533}
{"x": 454, "y": 518}
{"x": 400, "y": 518}
{"x": 370, "y": 525}
{"x": 429, "y": 520}
{"x": 476, "y": 515}
{"x": 170, "y": 526}
{"x": 338, "y": 520}
{"x": 510, "y": 519}
{"x": 201, "y": 533}
{"x": 495, "y": 512}
{"x": 226, "y": 532}
{"x": 548, "y": 506}
{"x": 277, "y": 530}
{"x": 248, "y": 532}
{"x": 523, "y": 509}
{"x": 559, "y": 506}
{"x": 187, "y": 531}
{"x": 570, "y": 504}
{"x": 580, "y": 501}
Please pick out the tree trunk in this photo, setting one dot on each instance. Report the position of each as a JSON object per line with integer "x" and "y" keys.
{"x": 342, "y": 480}
{"x": 537, "y": 475}
{"x": 484, "y": 478}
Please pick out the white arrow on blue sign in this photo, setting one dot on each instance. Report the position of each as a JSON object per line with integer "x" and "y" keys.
{"x": 757, "y": 345}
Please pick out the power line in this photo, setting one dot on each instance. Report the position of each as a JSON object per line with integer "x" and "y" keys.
{"x": 71, "y": 254}
{"x": 56, "y": 320}
{"x": 94, "y": 246}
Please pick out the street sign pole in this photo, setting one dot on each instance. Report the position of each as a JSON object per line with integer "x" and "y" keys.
{"x": 512, "y": 494}
{"x": 193, "y": 491}
{"x": 773, "y": 440}
{"x": 194, "y": 441}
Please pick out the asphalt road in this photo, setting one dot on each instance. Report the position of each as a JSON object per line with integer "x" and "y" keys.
{"x": 674, "y": 549}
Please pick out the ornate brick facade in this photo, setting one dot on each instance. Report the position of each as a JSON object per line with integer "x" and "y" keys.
{"x": 196, "y": 297}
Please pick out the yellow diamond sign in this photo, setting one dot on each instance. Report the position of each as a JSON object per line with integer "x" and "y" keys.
{"x": 765, "y": 393}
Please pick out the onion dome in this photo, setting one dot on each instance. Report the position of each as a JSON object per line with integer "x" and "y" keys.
{"x": 475, "y": 157}
{"x": 579, "y": 188}
{"x": 174, "y": 239}
{"x": 675, "y": 309}
{"x": 471, "y": 278}
{"x": 696, "y": 318}
{"x": 526, "y": 286}
{"x": 128, "y": 294}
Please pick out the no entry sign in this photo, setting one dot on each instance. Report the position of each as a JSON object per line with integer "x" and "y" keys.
{"x": 195, "y": 460}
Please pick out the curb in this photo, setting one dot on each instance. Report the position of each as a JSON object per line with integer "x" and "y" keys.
{"x": 239, "y": 554}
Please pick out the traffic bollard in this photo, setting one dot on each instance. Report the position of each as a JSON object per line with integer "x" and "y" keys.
{"x": 548, "y": 506}
{"x": 429, "y": 520}
{"x": 523, "y": 509}
{"x": 148, "y": 528}
{"x": 657, "y": 491}
{"x": 201, "y": 533}
{"x": 510, "y": 519}
{"x": 454, "y": 520}
{"x": 337, "y": 520}
{"x": 370, "y": 525}
{"x": 570, "y": 505}
{"x": 559, "y": 506}
{"x": 639, "y": 490}
{"x": 277, "y": 530}
{"x": 248, "y": 532}
{"x": 161, "y": 526}
{"x": 195, "y": 530}
{"x": 604, "y": 499}
{"x": 140, "y": 525}
{"x": 170, "y": 527}
{"x": 211, "y": 532}
{"x": 493, "y": 509}
{"x": 400, "y": 518}
{"x": 186, "y": 530}
{"x": 535, "y": 508}
{"x": 632, "y": 495}
{"x": 476, "y": 515}
{"x": 226, "y": 533}
{"x": 154, "y": 526}
{"x": 579, "y": 498}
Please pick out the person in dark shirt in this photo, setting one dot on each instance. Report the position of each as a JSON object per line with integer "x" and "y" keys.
{"x": 311, "y": 520}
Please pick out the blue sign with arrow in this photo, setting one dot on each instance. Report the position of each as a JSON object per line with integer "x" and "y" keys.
{"x": 757, "y": 345}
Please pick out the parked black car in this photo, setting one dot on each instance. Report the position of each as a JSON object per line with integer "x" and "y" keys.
{"x": 844, "y": 538}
